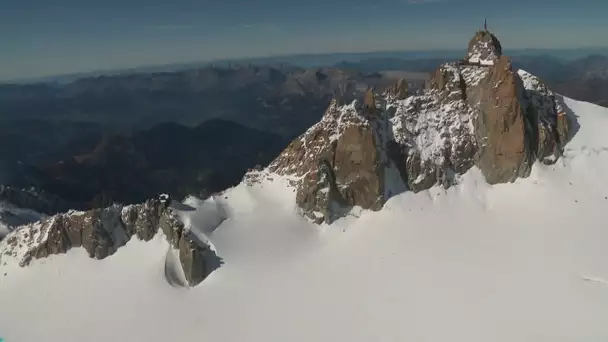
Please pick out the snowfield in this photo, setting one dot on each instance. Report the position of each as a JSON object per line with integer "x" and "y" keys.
{"x": 514, "y": 262}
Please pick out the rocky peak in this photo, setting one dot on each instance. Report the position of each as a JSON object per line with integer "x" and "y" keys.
{"x": 400, "y": 90}
{"x": 484, "y": 48}
{"x": 101, "y": 232}
{"x": 479, "y": 112}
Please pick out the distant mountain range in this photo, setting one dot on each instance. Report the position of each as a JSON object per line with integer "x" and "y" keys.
{"x": 312, "y": 61}
{"x": 124, "y": 137}
{"x": 167, "y": 158}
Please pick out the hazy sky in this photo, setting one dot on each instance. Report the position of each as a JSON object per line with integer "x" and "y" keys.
{"x": 44, "y": 37}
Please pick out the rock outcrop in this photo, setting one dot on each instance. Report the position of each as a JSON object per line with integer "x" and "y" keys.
{"x": 400, "y": 90}
{"x": 101, "y": 232}
{"x": 475, "y": 112}
{"x": 484, "y": 48}
{"x": 337, "y": 161}
{"x": 500, "y": 125}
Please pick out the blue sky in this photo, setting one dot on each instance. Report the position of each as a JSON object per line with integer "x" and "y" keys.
{"x": 43, "y": 37}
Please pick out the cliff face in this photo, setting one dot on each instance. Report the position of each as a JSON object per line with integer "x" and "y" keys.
{"x": 476, "y": 112}
{"x": 338, "y": 161}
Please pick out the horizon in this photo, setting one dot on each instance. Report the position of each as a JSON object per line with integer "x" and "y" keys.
{"x": 559, "y": 53}
{"x": 70, "y": 37}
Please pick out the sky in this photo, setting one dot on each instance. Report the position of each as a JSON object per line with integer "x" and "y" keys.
{"x": 42, "y": 37}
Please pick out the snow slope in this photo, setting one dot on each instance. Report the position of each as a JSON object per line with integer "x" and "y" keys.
{"x": 513, "y": 262}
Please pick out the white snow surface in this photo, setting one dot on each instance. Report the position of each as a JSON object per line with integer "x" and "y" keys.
{"x": 526, "y": 261}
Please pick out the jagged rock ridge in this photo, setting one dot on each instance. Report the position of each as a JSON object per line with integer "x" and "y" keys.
{"x": 474, "y": 112}
{"x": 101, "y": 232}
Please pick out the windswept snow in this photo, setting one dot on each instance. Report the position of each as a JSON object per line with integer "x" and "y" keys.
{"x": 513, "y": 262}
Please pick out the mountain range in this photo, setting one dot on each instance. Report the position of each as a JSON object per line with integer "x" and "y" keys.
{"x": 148, "y": 124}
{"x": 47, "y": 128}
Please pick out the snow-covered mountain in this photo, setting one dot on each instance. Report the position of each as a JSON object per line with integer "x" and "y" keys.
{"x": 486, "y": 192}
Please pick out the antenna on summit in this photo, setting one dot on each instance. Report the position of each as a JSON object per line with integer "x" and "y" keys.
{"x": 485, "y": 24}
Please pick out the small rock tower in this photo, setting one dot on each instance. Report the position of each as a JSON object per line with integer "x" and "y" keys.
{"x": 369, "y": 101}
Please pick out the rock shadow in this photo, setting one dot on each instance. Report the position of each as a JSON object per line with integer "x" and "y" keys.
{"x": 175, "y": 265}
{"x": 574, "y": 123}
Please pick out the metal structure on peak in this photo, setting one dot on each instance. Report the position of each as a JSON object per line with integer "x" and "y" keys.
{"x": 485, "y": 24}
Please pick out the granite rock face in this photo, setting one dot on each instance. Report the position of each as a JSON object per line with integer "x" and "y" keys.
{"x": 505, "y": 150}
{"x": 338, "y": 162}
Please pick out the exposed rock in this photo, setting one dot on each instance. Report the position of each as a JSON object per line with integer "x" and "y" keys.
{"x": 500, "y": 126}
{"x": 473, "y": 113}
{"x": 399, "y": 90}
{"x": 196, "y": 258}
{"x": 337, "y": 162}
{"x": 563, "y": 128}
{"x": 142, "y": 220}
{"x": 548, "y": 115}
{"x": 434, "y": 131}
{"x": 101, "y": 232}
{"x": 357, "y": 168}
{"x": 369, "y": 101}
{"x": 484, "y": 48}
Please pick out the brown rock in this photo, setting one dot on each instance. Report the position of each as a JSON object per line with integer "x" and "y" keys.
{"x": 101, "y": 232}
{"x": 399, "y": 90}
{"x": 369, "y": 101}
{"x": 339, "y": 161}
{"x": 359, "y": 174}
{"x": 104, "y": 233}
{"x": 172, "y": 227}
{"x": 484, "y": 47}
{"x": 318, "y": 195}
{"x": 193, "y": 259}
{"x": 142, "y": 220}
{"x": 563, "y": 129}
{"x": 500, "y": 126}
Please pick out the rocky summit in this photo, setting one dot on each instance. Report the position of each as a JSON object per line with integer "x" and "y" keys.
{"x": 474, "y": 112}
{"x": 101, "y": 232}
